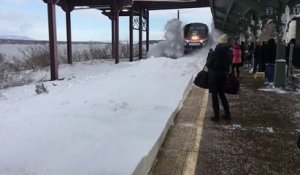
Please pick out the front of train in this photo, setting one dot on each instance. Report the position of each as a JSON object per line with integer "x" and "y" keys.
{"x": 195, "y": 36}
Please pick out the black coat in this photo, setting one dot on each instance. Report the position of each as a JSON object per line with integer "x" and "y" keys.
{"x": 270, "y": 52}
{"x": 218, "y": 66}
{"x": 258, "y": 53}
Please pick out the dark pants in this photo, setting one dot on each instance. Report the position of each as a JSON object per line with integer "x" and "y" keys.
{"x": 237, "y": 66}
{"x": 215, "y": 92}
{"x": 261, "y": 66}
{"x": 270, "y": 68}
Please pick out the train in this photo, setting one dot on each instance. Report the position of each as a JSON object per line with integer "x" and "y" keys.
{"x": 195, "y": 36}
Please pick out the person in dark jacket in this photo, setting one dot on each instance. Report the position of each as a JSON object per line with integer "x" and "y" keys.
{"x": 218, "y": 68}
{"x": 257, "y": 57}
{"x": 270, "y": 56}
{"x": 243, "y": 53}
{"x": 236, "y": 59}
{"x": 249, "y": 57}
{"x": 262, "y": 63}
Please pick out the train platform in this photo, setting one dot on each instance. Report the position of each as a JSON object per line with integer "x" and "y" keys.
{"x": 260, "y": 138}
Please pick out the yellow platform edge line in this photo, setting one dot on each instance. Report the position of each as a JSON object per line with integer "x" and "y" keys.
{"x": 191, "y": 161}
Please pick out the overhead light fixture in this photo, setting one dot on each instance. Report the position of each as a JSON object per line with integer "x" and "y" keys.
{"x": 82, "y": 7}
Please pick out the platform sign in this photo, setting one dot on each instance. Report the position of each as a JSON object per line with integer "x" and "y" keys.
{"x": 269, "y": 11}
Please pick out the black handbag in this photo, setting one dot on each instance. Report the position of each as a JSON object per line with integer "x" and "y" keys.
{"x": 232, "y": 84}
{"x": 201, "y": 79}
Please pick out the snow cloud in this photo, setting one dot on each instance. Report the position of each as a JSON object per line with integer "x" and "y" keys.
{"x": 173, "y": 46}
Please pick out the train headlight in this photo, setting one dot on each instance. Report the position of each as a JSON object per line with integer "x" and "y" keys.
{"x": 186, "y": 43}
{"x": 195, "y": 38}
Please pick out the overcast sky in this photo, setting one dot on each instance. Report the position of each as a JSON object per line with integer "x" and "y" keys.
{"x": 29, "y": 18}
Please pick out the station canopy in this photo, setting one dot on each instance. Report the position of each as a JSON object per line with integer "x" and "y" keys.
{"x": 228, "y": 15}
{"x": 145, "y": 4}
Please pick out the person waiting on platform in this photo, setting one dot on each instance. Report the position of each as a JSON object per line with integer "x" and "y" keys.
{"x": 270, "y": 56}
{"x": 249, "y": 57}
{"x": 236, "y": 59}
{"x": 218, "y": 67}
{"x": 258, "y": 53}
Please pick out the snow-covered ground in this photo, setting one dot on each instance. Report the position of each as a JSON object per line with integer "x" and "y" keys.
{"x": 101, "y": 119}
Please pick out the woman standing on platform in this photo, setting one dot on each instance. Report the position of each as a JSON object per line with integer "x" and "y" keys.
{"x": 218, "y": 67}
{"x": 236, "y": 59}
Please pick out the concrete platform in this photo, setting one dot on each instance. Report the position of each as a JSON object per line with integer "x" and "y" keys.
{"x": 179, "y": 152}
{"x": 260, "y": 139}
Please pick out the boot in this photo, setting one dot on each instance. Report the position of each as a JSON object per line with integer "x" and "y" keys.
{"x": 216, "y": 117}
{"x": 227, "y": 115}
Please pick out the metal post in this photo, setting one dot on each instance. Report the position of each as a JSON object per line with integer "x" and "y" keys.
{"x": 52, "y": 40}
{"x": 280, "y": 33}
{"x": 112, "y": 35}
{"x": 69, "y": 36}
{"x": 280, "y": 63}
{"x": 117, "y": 35}
{"x": 147, "y": 32}
{"x": 297, "y": 36}
{"x": 131, "y": 35}
{"x": 291, "y": 67}
{"x": 141, "y": 34}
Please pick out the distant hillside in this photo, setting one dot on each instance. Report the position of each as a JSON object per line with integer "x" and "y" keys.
{"x": 14, "y": 37}
{"x": 21, "y": 41}
{"x": 152, "y": 41}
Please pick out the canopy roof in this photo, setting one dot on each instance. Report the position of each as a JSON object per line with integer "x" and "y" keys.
{"x": 229, "y": 15}
{"x": 146, "y": 4}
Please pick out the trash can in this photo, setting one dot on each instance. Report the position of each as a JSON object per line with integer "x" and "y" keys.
{"x": 280, "y": 73}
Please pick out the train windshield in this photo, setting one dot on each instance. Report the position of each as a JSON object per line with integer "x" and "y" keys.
{"x": 196, "y": 29}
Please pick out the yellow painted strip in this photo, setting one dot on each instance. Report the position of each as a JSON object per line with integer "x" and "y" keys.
{"x": 190, "y": 165}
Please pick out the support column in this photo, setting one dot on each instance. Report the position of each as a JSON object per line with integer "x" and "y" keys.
{"x": 254, "y": 30}
{"x": 147, "y": 32}
{"x": 258, "y": 29}
{"x": 112, "y": 35}
{"x": 280, "y": 63}
{"x": 131, "y": 35}
{"x": 297, "y": 49}
{"x": 117, "y": 35}
{"x": 280, "y": 33}
{"x": 69, "y": 37}
{"x": 52, "y": 40}
{"x": 141, "y": 35}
